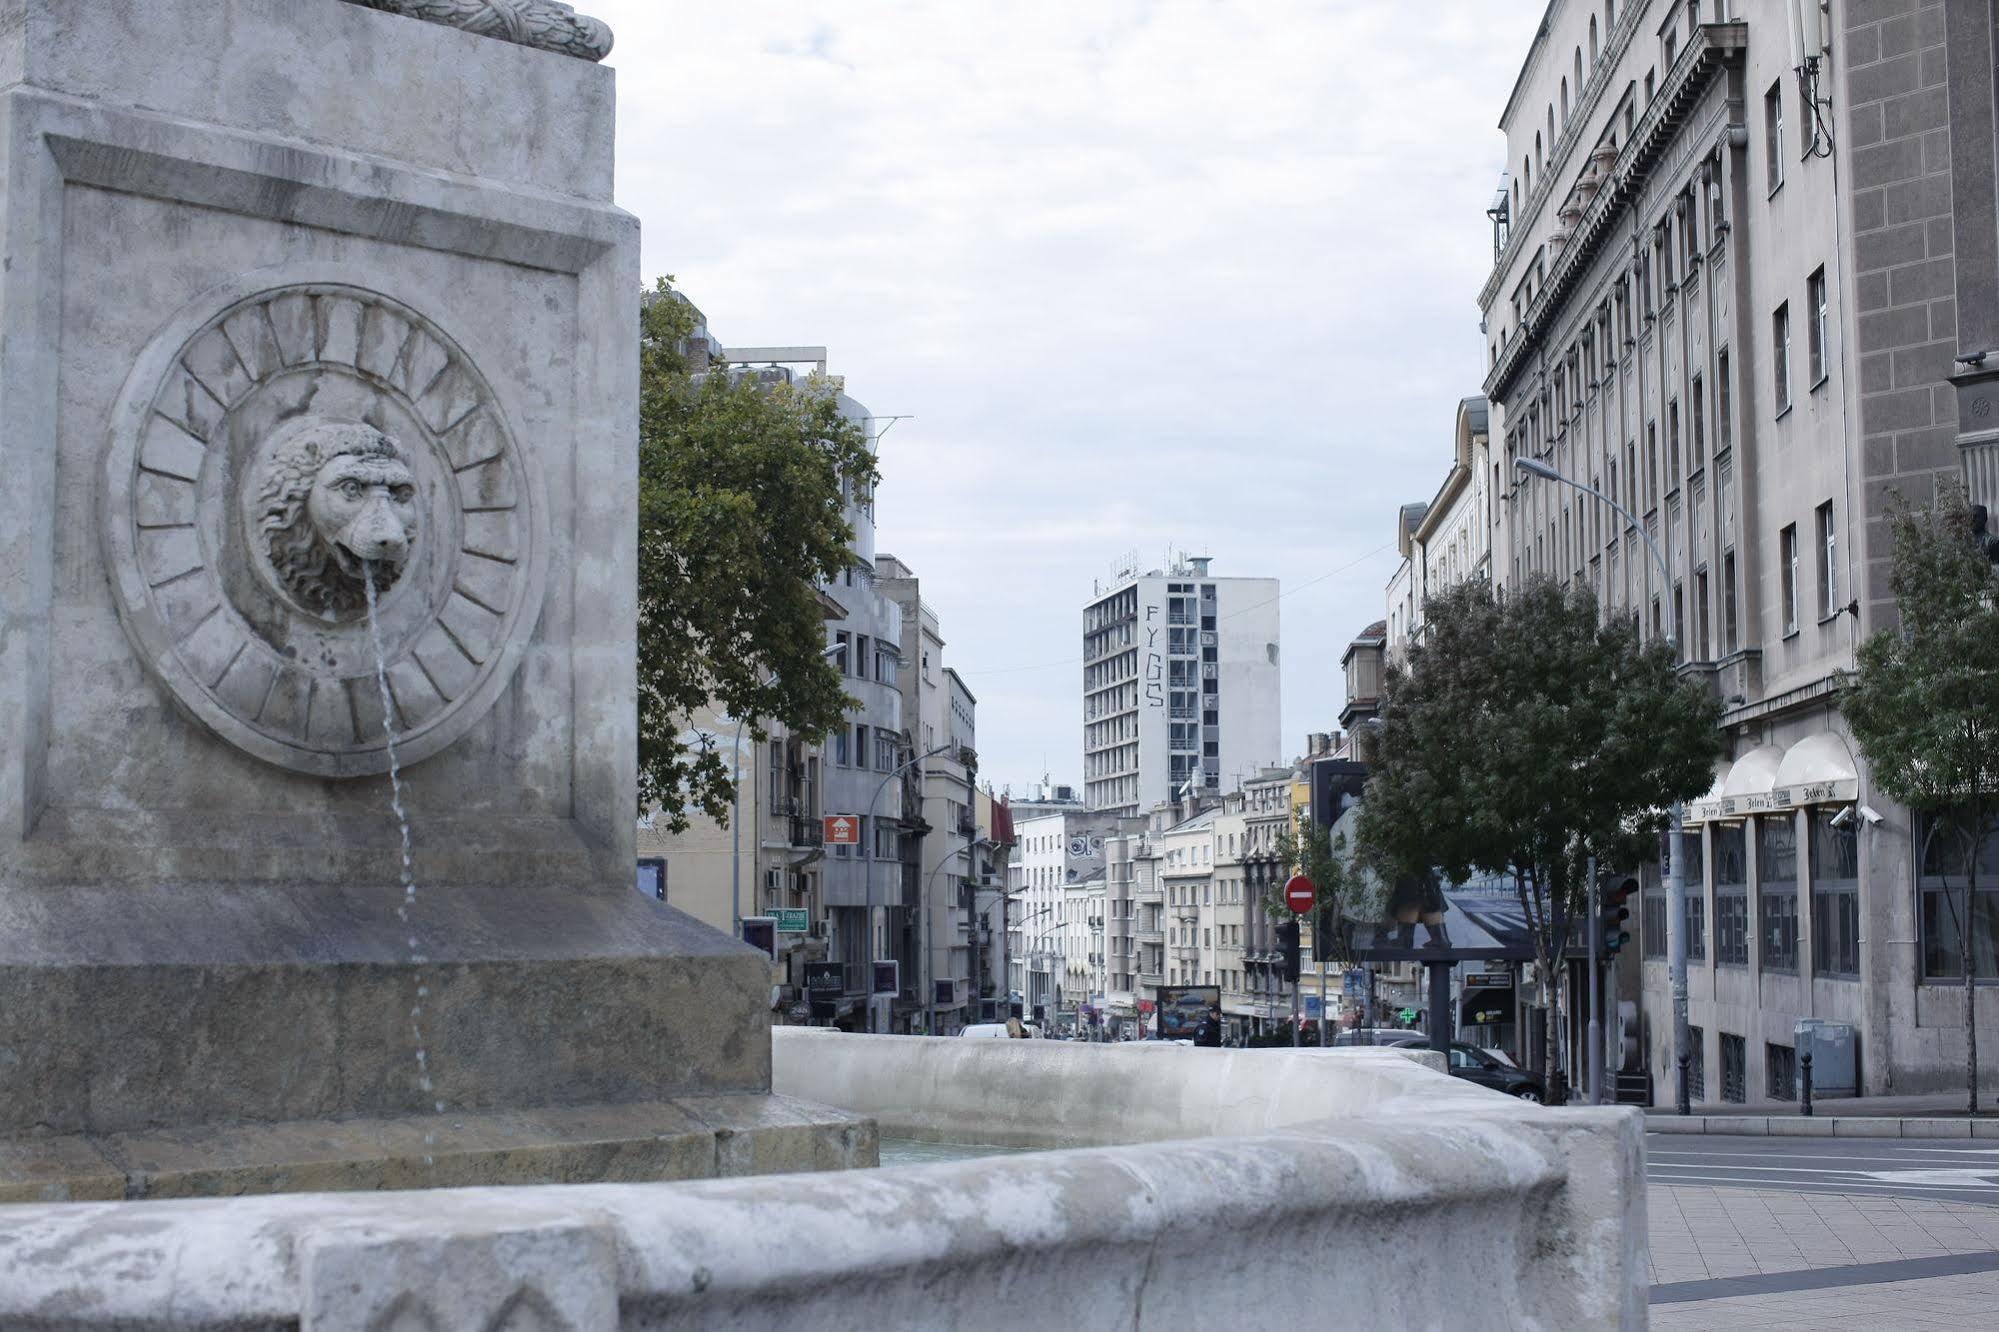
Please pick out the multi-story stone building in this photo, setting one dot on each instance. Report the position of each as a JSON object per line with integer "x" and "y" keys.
{"x": 1180, "y": 684}
{"x": 1725, "y": 296}
{"x": 1054, "y": 856}
{"x": 941, "y": 864}
{"x": 1449, "y": 539}
{"x": 773, "y": 862}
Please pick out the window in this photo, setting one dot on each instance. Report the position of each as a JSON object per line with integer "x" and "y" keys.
{"x": 1815, "y": 303}
{"x": 1944, "y": 907}
{"x": 1703, "y": 627}
{"x": 1651, "y": 465}
{"x": 1780, "y": 356}
{"x": 1780, "y": 1072}
{"x": 1828, "y": 563}
{"x": 1773, "y": 136}
{"x": 1697, "y": 406}
{"x": 1724, "y": 426}
{"x": 1694, "y": 867}
{"x": 1777, "y": 891}
{"x": 1734, "y": 1069}
{"x": 1731, "y": 896}
{"x": 1787, "y": 571}
{"x": 840, "y": 746}
{"x": 1652, "y": 922}
{"x": 1696, "y": 1063}
{"x": 1835, "y": 869}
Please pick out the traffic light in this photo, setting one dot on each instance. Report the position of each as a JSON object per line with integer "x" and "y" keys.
{"x": 1611, "y": 917}
{"x": 1287, "y": 939}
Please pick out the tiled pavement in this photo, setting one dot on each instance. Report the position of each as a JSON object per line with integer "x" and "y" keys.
{"x": 1701, "y": 1234}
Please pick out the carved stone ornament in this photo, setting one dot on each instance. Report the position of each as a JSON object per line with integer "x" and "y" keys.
{"x": 270, "y": 452}
{"x": 546, "y": 25}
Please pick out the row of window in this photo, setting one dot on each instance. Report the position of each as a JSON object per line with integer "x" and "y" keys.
{"x": 1830, "y": 891}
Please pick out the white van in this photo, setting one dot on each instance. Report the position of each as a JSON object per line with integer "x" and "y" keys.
{"x": 991, "y": 1030}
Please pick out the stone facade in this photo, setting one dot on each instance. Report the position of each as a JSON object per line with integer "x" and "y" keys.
{"x": 1725, "y": 295}
{"x": 299, "y": 291}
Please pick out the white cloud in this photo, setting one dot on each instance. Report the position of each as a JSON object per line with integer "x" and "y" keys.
{"x": 1146, "y": 274}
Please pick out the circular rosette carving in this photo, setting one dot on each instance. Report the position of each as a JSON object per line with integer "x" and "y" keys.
{"x": 270, "y": 453}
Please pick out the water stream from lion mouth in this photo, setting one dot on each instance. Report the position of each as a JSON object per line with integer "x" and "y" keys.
{"x": 408, "y": 904}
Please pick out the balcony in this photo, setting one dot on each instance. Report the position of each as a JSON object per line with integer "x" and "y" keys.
{"x": 1186, "y": 952}
{"x": 1149, "y": 936}
{"x": 1151, "y": 979}
{"x": 807, "y": 834}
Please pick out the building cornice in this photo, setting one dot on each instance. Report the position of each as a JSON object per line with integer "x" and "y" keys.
{"x": 1717, "y": 47}
{"x": 1615, "y": 42}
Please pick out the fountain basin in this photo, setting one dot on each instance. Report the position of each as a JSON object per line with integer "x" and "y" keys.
{"x": 1354, "y": 1185}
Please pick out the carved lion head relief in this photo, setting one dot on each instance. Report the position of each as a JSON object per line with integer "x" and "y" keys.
{"x": 335, "y": 500}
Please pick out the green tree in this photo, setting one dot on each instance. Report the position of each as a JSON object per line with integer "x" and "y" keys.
{"x": 1525, "y": 735}
{"x": 1924, "y": 705}
{"x": 741, "y": 487}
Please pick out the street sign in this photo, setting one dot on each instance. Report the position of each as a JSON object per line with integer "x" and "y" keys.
{"x": 792, "y": 920}
{"x": 1299, "y": 894}
{"x": 1353, "y": 983}
{"x": 1489, "y": 980}
{"x": 843, "y": 830}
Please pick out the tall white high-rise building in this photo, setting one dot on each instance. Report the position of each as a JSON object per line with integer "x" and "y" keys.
{"x": 1180, "y": 684}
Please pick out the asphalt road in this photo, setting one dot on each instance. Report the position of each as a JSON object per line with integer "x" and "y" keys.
{"x": 1948, "y": 1169}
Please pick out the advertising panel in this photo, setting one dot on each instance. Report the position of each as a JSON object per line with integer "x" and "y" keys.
{"x": 1181, "y": 1008}
{"x": 1428, "y": 919}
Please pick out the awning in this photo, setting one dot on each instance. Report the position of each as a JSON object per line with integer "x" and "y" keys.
{"x": 1818, "y": 769}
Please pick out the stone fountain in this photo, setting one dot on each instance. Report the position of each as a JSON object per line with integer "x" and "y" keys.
{"x": 295, "y": 289}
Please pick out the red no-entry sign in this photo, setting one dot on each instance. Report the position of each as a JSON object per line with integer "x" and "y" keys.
{"x": 1299, "y": 894}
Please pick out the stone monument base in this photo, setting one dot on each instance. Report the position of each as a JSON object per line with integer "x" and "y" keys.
{"x": 692, "y": 1137}
{"x": 569, "y": 1036}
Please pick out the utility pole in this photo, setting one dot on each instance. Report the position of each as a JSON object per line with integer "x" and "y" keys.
{"x": 1593, "y": 1062}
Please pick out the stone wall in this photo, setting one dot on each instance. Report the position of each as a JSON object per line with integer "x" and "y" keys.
{"x": 1267, "y": 1184}
{"x": 1897, "y": 131}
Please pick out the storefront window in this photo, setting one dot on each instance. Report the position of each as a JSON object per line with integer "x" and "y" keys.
{"x": 1835, "y": 869}
{"x": 1777, "y": 891}
{"x": 1731, "y": 895}
{"x": 1943, "y": 909}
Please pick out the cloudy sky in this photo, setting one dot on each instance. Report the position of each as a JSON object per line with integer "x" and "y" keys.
{"x": 1187, "y": 274}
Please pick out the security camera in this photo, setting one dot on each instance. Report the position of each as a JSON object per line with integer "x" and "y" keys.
{"x": 1869, "y": 813}
{"x": 1844, "y": 818}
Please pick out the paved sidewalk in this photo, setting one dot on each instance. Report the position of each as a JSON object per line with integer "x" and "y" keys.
{"x": 1730, "y": 1258}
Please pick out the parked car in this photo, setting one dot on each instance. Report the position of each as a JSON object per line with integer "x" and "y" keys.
{"x": 1381, "y": 1036}
{"x": 1475, "y": 1065}
{"x": 1465, "y": 1061}
{"x": 991, "y": 1030}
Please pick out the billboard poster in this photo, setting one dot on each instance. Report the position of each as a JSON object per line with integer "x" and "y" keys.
{"x": 1181, "y": 1008}
{"x": 1427, "y": 919}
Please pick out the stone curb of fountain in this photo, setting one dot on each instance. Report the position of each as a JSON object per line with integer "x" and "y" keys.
{"x": 1823, "y": 1126}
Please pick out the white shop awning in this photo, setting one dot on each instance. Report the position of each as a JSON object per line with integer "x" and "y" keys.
{"x": 1818, "y": 769}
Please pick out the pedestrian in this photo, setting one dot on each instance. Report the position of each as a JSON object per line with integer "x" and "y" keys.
{"x": 1210, "y": 1031}
{"x": 1014, "y": 1027}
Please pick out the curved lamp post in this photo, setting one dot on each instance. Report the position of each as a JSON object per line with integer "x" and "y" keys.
{"x": 1676, "y": 878}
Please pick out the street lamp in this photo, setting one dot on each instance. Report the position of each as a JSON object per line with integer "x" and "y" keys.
{"x": 868, "y": 855}
{"x": 736, "y": 815}
{"x": 1676, "y": 878}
